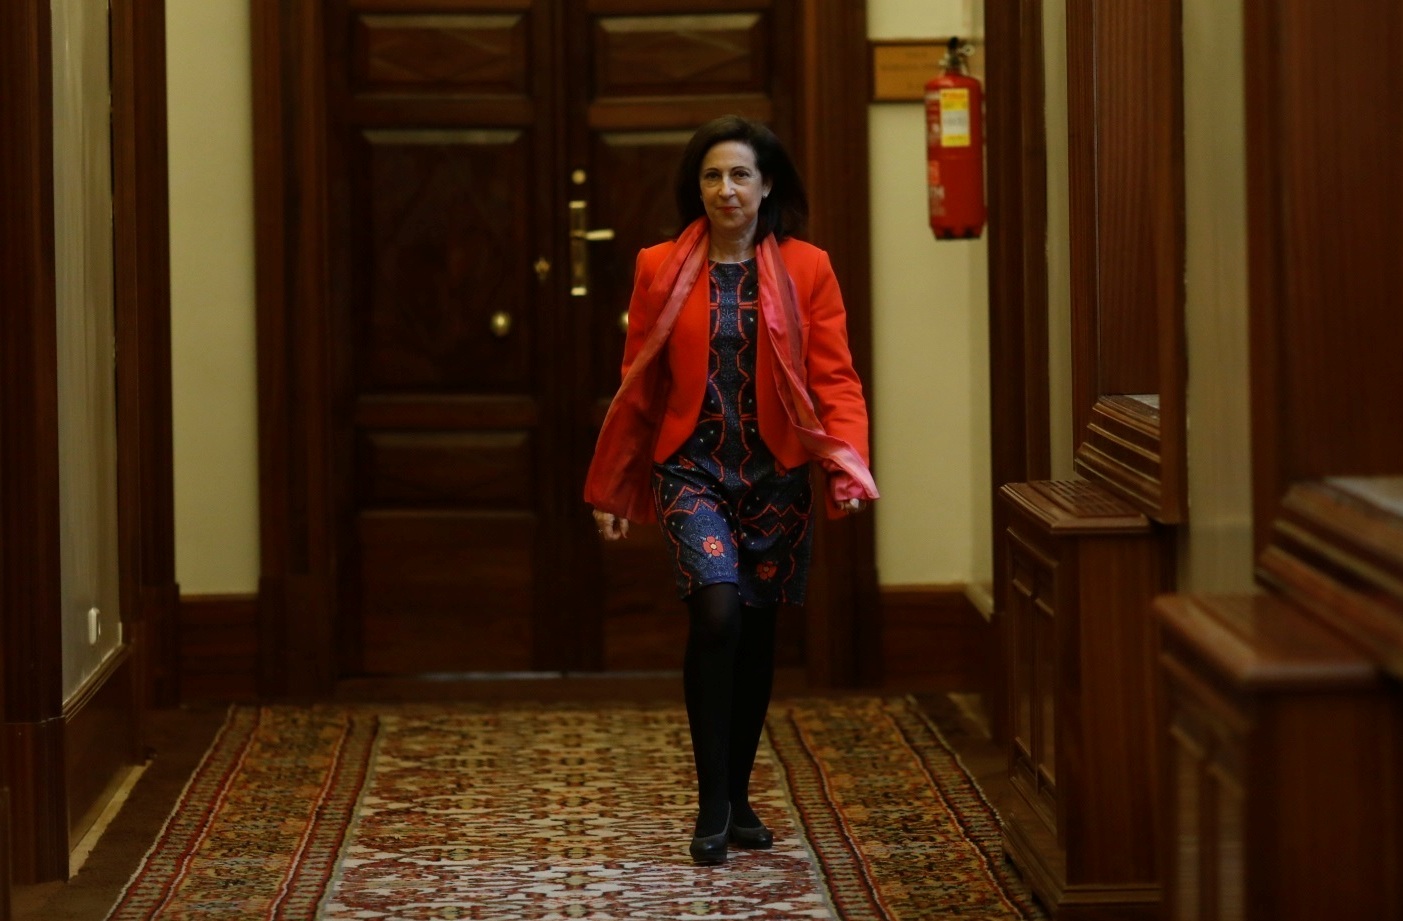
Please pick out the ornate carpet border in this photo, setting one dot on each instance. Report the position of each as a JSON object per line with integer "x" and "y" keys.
{"x": 894, "y": 819}
{"x": 282, "y": 793}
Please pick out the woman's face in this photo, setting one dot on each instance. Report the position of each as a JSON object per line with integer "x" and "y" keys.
{"x": 732, "y": 188}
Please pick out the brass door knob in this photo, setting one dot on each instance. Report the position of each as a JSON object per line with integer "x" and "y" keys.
{"x": 501, "y": 324}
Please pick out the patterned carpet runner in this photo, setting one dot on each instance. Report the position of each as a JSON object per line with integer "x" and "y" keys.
{"x": 544, "y": 812}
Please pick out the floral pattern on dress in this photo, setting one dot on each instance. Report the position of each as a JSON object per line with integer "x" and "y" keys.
{"x": 727, "y": 505}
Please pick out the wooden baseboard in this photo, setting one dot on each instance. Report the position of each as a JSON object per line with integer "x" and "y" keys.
{"x": 935, "y": 639}
{"x": 64, "y": 769}
{"x": 38, "y": 827}
{"x": 218, "y": 648}
{"x": 100, "y": 740}
{"x": 1032, "y": 847}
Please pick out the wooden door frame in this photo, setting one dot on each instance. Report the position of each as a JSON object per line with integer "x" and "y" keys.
{"x": 844, "y": 620}
{"x": 1020, "y": 428}
{"x": 150, "y": 596}
{"x": 35, "y": 775}
{"x": 1018, "y": 349}
{"x": 297, "y": 585}
{"x": 30, "y": 653}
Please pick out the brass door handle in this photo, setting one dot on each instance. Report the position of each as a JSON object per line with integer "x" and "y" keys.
{"x": 623, "y": 322}
{"x": 580, "y": 237}
{"x": 500, "y": 324}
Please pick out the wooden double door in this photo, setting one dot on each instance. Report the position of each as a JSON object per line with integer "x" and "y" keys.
{"x": 492, "y": 170}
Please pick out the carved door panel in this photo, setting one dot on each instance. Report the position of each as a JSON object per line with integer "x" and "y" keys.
{"x": 476, "y": 340}
{"x": 1032, "y": 618}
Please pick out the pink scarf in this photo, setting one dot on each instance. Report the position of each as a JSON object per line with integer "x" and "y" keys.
{"x": 620, "y": 476}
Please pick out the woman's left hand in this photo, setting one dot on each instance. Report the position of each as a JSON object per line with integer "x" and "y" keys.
{"x": 609, "y": 526}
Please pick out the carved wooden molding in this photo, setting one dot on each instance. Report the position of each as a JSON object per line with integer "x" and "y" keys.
{"x": 1336, "y": 549}
{"x": 1122, "y": 447}
{"x": 1075, "y": 508}
{"x": 1262, "y": 643}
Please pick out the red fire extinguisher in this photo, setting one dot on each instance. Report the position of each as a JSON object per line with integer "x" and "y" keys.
{"x": 955, "y": 149}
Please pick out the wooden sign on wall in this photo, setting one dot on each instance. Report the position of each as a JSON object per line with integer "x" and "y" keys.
{"x": 901, "y": 68}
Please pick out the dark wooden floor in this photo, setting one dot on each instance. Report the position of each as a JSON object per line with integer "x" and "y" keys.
{"x": 179, "y": 737}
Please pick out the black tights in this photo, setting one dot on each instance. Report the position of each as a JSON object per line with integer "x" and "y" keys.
{"x": 727, "y": 676}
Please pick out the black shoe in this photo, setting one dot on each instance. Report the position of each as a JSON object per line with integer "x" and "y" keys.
{"x": 711, "y": 849}
{"x": 760, "y": 838}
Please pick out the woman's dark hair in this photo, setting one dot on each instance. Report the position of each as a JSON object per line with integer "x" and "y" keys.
{"x": 784, "y": 212}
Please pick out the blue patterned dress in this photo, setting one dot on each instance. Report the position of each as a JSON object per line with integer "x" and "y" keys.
{"x": 730, "y": 510}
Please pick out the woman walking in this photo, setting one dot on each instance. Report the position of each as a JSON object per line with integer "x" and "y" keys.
{"x": 736, "y": 376}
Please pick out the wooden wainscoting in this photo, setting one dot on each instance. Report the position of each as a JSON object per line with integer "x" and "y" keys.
{"x": 218, "y": 647}
{"x": 935, "y": 639}
{"x": 99, "y": 740}
{"x": 65, "y": 769}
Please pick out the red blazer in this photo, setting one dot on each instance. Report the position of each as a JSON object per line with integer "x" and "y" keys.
{"x": 836, "y": 389}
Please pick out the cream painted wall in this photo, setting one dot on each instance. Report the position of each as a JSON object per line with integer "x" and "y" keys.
{"x": 1218, "y": 551}
{"x": 896, "y": 19}
{"x": 213, "y": 362}
{"x": 930, "y": 392}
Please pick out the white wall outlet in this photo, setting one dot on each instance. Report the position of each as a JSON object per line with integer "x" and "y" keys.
{"x": 94, "y": 625}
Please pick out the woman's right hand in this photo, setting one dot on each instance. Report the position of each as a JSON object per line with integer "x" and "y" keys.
{"x": 610, "y": 526}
